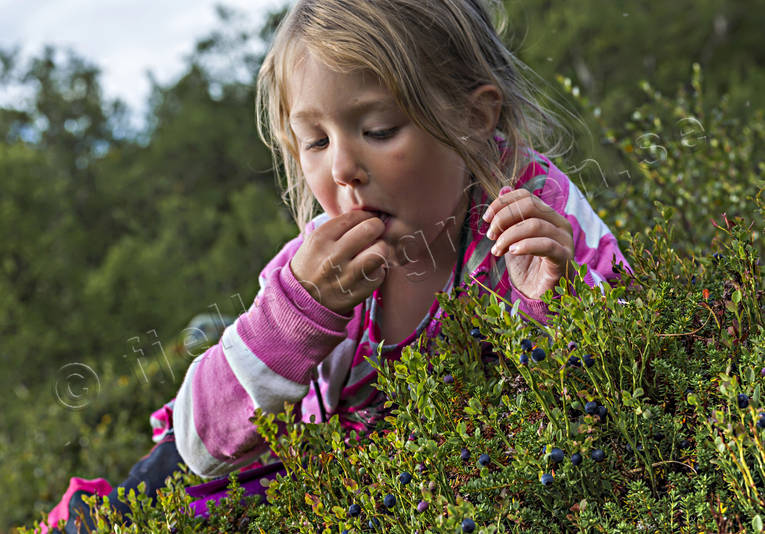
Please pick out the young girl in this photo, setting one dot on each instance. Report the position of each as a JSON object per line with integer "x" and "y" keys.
{"x": 409, "y": 124}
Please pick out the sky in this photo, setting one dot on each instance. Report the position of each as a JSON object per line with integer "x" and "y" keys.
{"x": 125, "y": 38}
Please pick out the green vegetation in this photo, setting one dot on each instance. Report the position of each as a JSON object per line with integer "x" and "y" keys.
{"x": 113, "y": 239}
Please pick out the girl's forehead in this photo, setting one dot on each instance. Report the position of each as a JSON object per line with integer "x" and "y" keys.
{"x": 309, "y": 76}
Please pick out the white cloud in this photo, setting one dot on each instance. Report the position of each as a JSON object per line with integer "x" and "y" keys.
{"x": 124, "y": 38}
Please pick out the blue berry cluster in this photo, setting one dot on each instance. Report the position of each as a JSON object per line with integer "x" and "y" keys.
{"x": 594, "y": 408}
{"x": 538, "y": 354}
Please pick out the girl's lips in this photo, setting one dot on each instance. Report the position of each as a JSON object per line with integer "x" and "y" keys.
{"x": 385, "y": 218}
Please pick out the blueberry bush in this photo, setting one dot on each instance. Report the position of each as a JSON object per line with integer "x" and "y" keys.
{"x": 637, "y": 407}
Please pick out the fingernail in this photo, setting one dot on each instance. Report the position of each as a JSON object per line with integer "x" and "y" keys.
{"x": 488, "y": 214}
{"x": 490, "y": 234}
{"x": 494, "y": 250}
{"x": 505, "y": 189}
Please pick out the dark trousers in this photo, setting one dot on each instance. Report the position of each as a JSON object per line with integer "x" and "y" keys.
{"x": 161, "y": 462}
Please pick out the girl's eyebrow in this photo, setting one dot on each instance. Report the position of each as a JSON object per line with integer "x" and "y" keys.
{"x": 352, "y": 110}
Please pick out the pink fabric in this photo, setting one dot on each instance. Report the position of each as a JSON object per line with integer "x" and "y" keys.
{"x": 222, "y": 408}
{"x": 291, "y": 352}
{"x": 60, "y": 512}
{"x": 161, "y": 422}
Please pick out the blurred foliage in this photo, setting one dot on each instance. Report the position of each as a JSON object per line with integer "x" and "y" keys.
{"x": 606, "y": 46}
{"x": 684, "y": 152}
{"x": 111, "y": 239}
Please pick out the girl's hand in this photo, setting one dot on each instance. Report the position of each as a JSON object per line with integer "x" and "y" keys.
{"x": 536, "y": 240}
{"x": 342, "y": 262}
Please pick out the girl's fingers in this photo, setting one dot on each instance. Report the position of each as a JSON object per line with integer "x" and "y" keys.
{"x": 336, "y": 227}
{"x": 542, "y": 246}
{"x": 532, "y": 229}
{"x": 519, "y": 206}
{"x": 372, "y": 264}
{"x": 360, "y": 237}
{"x": 504, "y": 199}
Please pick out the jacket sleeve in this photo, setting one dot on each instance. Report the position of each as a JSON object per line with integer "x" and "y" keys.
{"x": 594, "y": 245}
{"x": 264, "y": 359}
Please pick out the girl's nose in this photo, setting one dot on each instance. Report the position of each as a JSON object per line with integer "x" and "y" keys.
{"x": 347, "y": 168}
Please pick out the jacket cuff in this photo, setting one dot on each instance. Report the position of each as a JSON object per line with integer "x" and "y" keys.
{"x": 535, "y": 308}
{"x": 288, "y": 330}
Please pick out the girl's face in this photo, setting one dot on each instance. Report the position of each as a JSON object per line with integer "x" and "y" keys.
{"x": 359, "y": 150}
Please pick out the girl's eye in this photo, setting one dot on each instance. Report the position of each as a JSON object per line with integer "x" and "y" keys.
{"x": 378, "y": 135}
{"x": 321, "y": 143}
{"x": 383, "y": 134}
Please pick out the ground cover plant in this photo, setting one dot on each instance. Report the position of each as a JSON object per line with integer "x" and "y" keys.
{"x": 638, "y": 407}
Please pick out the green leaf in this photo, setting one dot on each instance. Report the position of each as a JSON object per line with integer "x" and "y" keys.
{"x": 736, "y": 298}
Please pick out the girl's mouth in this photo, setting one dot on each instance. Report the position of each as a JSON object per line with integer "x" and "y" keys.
{"x": 384, "y": 217}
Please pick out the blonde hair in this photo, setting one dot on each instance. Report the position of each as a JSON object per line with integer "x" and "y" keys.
{"x": 430, "y": 54}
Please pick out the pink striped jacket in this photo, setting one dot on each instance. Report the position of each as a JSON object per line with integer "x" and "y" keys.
{"x": 272, "y": 352}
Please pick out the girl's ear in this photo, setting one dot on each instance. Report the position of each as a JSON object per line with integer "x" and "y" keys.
{"x": 485, "y": 108}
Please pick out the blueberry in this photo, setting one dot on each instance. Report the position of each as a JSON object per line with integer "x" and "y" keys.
{"x": 422, "y": 506}
{"x": 602, "y": 411}
{"x": 354, "y": 510}
{"x": 538, "y": 354}
{"x": 546, "y": 479}
{"x": 524, "y": 359}
{"x": 576, "y": 459}
{"x": 588, "y": 360}
{"x": 484, "y": 460}
{"x": 597, "y": 455}
{"x": 573, "y": 361}
{"x": 465, "y": 455}
{"x": 389, "y": 501}
{"x": 556, "y": 455}
{"x": 448, "y": 379}
{"x": 685, "y": 444}
{"x": 591, "y": 408}
{"x": 374, "y": 522}
{"x": 743, "y": 401}
{"x": 405, "y": 478}
{"x": 468, "y": 525}
{"x": 571, "y": 345}
{"x": 526, "y": 345}
{"x": 476, "y": 333}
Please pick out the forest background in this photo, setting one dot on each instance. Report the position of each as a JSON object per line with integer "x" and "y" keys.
{"x": 112, "y": 240}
